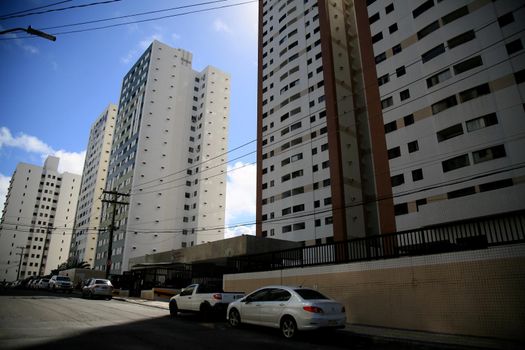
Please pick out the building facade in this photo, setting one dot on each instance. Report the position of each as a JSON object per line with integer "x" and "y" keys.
{"x": 322, "y": 163}
{"x": 37, "y": 220}
{"x": 94, "y": 175}
{"x": 169, "y": 156}
{"x": 450, "y": 76}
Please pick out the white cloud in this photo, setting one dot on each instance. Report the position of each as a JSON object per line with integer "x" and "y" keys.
{"x": 240, "y": 231}
{"x": 142, "y": 45}
{"x": 220, "y": 26}
{"x": 240, "y": 199}
{"x": 175, "y": 36}
{"x": 23, "y": 141}
{"x": 145, "y": 43}
{"x": 69, "y": 161}
{"x": 4, "y": 185}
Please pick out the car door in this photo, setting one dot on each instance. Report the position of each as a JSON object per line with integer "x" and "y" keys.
{"x": 185, "y": 298}
{"x": 251, "y": 305}
{"x": 272, "y": 308}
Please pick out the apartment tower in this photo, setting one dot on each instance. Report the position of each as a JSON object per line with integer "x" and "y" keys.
{"x": 322, "y": 164}
{"x": 450, "y": 76}
{"x": 168, "y": 156}
{"x": 96, "y": 164}
{"x": 37, "y": 220}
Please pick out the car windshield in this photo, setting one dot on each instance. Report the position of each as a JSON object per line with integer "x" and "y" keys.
{"x": 101, "y": 282}
{"x": 310, "y": 294}
{"x": 63, "y": 278}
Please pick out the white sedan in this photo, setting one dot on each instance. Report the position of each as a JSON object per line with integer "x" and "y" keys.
{"x": 288, "y": 308}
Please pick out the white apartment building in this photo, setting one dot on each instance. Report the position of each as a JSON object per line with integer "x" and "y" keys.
{"x": 450, "y": 77}
{"x": 169, "y": 155}
{"x": 322, "y": 160}
{"x": 37, "y": 220}
{"x": 89, "y": 209}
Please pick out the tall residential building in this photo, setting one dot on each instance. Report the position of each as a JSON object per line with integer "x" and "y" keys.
{"x": 168, "y": 154}
{"x": 322, "y": 162}
{"x": 37, "y": 220}
{"x": 450, "y": 76}
{"x": 89, "y": 209}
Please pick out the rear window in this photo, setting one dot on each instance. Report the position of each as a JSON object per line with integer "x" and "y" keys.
{"x": 63, "y": 278}
{"x": 101, "y": 282}
{"x": 309, "y": 294}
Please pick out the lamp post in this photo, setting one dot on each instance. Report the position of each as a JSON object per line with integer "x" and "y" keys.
{"x": 31, "y": 31}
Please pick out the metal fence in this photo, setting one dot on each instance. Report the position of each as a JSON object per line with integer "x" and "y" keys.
{"x": 479, "y": 233}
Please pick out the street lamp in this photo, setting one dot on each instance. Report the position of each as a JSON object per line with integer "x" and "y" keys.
{"x": 31, "y": 31}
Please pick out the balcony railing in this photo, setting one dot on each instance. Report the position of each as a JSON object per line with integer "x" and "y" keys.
{"x": 477, "y": 233}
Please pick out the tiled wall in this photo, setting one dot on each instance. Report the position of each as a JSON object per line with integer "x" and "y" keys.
{"x": 476, "y": 293}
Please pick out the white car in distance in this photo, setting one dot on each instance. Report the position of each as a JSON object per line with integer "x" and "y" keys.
{"x": 291, "y": 309}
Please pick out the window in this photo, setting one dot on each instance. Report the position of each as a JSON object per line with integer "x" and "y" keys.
{"x": 383, "y": 79}
{"x": 377, "y": 37}
{"x": 505, "y": 19}
{"x": 461, "y": 39}
{"x": 373, "y": 18}
{"x": 452, "y": 16}
{"x": 427, "y": 30}
{"x": 380, "y": 58}
{"x": 433, "y": 53}
{"x": 286, "y": 228}
{"x": 397, "y": 180}
{"x": 400, "y": 209}
{"x": 514, "y": 46}
{"x": 439, "y": 78}
{"x": 444, "y": 104}
{"x": 389, "y": 8}
{"x": 455, "y": 163}
{"x": 389, "y": 127}
{"x": 405, "y": 94}
{"x": 417, "y": 175}
{"x": 396, "y": 49}
{"x": 422, "y": 8}
{"x": 392, "y": 28}
{"x": 394, "y": 152}
{"x": 387, "y": 102}
{"x": 474, "y": 92}
{"x": 495, "y": 185}
{"x": 413, "y": 146}
{"x": 409, "y": 119}
{"x": 467, "y": 191}
{"x": 450, "y": 132}
{"x": 490, "y": 153}
{"x": 400, "y": 71}
{"x": 469, "y": 64}
{"x": 520, "y": 76}
{"x": 482, "y": 122}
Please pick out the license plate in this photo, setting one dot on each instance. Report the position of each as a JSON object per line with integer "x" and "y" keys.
{"x": 332, "y": 323}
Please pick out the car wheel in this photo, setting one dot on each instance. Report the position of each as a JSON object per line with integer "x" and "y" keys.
{"x": 91, "y": 295}
{"x": 174, "y": 310}
{"x": 234, "y": 318}
{"x": 205, "y": 310}
{"x": 288, "y": 327}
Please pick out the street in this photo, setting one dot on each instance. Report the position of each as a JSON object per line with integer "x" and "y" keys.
{"x": 43, "y": 320}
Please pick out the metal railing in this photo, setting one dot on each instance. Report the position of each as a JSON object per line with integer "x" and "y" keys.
{"x": 477, "y": 233}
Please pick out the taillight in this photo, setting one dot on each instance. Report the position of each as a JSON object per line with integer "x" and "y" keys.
{"x": 217, "y": 296}
{"x": 314, "y": 309}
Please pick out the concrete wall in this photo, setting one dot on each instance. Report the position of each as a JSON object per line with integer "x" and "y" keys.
{"x": 476, "y": 293}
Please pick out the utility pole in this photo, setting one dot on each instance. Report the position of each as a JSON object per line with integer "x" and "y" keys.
{"x": 20, "y": 262}
{"x": 114, "y": 201}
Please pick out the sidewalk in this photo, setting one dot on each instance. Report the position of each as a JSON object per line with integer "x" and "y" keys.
{"x": 446, "y": 340}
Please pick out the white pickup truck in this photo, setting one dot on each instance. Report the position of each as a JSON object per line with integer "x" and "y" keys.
{"x": 202, "y": 298}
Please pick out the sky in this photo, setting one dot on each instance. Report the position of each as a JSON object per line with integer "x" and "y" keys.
{"x": 51, "y": 92}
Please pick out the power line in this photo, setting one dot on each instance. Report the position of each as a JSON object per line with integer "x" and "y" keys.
{"x": 59, "y": 9}
{"x": 32, "y": 9}
{"x": 132, "y": 15}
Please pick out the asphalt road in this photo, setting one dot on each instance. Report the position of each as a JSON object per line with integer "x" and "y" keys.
{"x": 42, "y": 320}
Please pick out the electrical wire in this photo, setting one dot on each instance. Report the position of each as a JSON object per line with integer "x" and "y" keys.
{"x": 32, "y": 9}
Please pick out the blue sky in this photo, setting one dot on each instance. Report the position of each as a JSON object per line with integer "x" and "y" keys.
{"x": 51, "y": 92}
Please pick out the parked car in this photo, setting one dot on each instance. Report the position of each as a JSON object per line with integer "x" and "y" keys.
{"x": 291, "y": 309}
{"x": 97, "y": 287}
{"x": 202, "y": 298}
{"x": 43, "y": 283}
{"x": 62, "y": 283}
